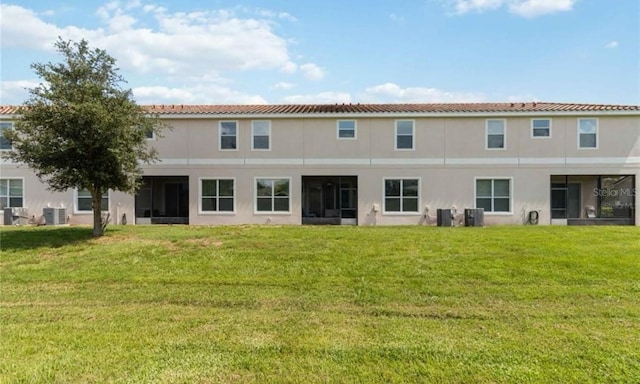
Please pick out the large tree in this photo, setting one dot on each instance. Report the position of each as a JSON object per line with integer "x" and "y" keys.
{"x": 80, "y": 129}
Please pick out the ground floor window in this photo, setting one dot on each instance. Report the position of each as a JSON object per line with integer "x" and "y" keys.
{"x": 11, "y": 193}
{"x": 83, "y": 201}
{"x": 217, "y": 195}
{"x": 273, "y": 195}
{"x": 493, "y": 195}
{"x": 401, "y": 195}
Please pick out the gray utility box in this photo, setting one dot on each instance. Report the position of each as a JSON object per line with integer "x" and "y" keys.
{"x": 474, "y": 217}
{"x": 444, "y": 218}
{"x": 15, "y": 216}
{"x": 54, "y": 216}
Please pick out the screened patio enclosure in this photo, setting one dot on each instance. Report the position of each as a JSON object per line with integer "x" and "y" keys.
{"x": 330, "y": 200}
{"x": 593, "y": 199}
{"x": 163, "y": 200}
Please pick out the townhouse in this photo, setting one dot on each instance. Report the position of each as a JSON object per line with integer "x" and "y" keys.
{"x": 368, "y": 164}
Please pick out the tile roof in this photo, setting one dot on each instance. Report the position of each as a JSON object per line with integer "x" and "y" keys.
{"x": 330, "y": 109}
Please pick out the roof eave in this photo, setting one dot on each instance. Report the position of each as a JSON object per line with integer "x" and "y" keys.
{"x": 232, "y": 116}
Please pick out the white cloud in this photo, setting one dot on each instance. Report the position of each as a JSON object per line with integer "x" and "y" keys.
{"x": 207, "y": 42}
{"x": 612, "y": 44}
{"x": 524, "y": 8}
{"x": 388, "y": 93}
{"x": 533, "y": 8}
{"x": 199, "y": 94}
{"x": 312, "y": 71}
{"x": 15, "y": 92}
{"x": 22, "y": 27}
{"x": 320, "y": 98}
{"x": 283, "y": 85}
{"x": 289, "y": 67}
{"x": 522, "y": 98}
{"x": 464, "y": 6}
{"x": 393, "y": 93}
{"x": 200, "y": 50}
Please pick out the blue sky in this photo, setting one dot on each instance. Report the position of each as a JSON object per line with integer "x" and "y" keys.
{"x": 339, "y": 51}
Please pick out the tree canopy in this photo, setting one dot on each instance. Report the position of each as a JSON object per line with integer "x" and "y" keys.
{"x": 80, "y": 129}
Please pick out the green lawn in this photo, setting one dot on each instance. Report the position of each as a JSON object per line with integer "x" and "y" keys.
{"x": 320, "y": 304}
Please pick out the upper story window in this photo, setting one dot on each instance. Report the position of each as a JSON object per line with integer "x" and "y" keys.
{"x": 217, "y": 195}
{"x": 150, "y": 134}
{"x": 83, "y": 201}
{"x": 5, "y": 144}
{"x": 261, "y": 135}
{"x": 494, "y": 195}
{"x": 346, "y": 129}
{"x": 496, "y": 134}
{"x": 272, "y": 195}
{"x": 404, "y": 134}
{"x": 540, "y": 128}
{"x": 587, "y": 133}
{"x": 401, "y": 195}
{"x": 11, "y": 193}
{"x": 228, "y": 135}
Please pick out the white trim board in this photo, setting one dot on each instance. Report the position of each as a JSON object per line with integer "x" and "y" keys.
{"x": 471, "y": 161}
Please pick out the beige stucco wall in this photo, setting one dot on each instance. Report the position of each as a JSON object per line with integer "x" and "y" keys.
{"x": 449, "y": 154}
{"x": 435, "y": 137}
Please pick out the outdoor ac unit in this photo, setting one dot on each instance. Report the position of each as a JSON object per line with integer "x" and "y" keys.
{"x": 444, "y": 218}
{"x": 55, "y": 216}
{"x": 474, "y": 217}
{"x": 15, "y": 216}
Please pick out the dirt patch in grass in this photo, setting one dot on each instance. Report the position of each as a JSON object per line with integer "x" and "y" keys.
{"x": 116, "y": 238}
{"x": 169, "y": 244}
{"x": 205, "y": 242}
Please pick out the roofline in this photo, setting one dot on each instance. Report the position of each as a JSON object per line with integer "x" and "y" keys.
{"x": 346, "y": 115}
{"x": 396, "y": 115}
{"x": 353, "y": 111}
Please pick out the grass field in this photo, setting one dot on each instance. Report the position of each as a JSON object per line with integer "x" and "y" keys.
{"x": 320, "y": 304}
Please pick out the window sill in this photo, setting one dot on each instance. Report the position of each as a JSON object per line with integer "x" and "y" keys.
{"x": 87, "y": 213}
{"x": 498, "y": 213}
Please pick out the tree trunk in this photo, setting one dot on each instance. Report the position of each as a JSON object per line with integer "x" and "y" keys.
{"x": 96, "y": 203}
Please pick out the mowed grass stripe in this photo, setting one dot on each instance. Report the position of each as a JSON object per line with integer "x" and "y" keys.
{"x": 243, "y": 304}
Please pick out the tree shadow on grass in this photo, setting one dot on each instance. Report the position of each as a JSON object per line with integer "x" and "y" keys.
{"x": 24, "y": 238}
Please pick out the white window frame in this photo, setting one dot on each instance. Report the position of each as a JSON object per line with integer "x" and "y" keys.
{"x": 493, "y": 178}
{"x": 597, "y": 132}
{"x": 9, "y": 126}
{"x": 253, "y": 135}
{"x": 77, "y": 211}
{"x": 217, "y": 197}
{"x": 533, "y": 128}
{"x": 504, "y": 135}
{"x": 340, "y": 129}
{"x": 220, "y": 123}
{"x": 8, "y": 196}
{"x": 413, "y": 135}
{"x": 255, "y": 196}
{"x": 401, "y": 212}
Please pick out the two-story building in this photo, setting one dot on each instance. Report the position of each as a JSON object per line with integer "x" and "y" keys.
{"x": 370, "y": 164}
